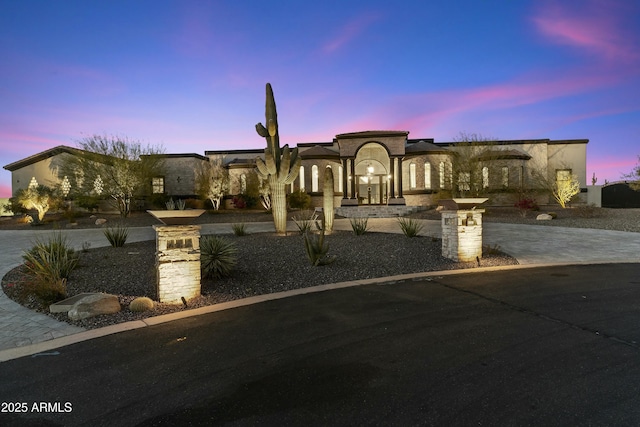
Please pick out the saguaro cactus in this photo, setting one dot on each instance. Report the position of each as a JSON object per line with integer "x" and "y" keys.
{"x": 280, "y": 165}
{"x": 327, "y": 200}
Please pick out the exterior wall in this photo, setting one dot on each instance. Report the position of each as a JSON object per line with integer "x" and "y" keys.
{"x": 180, "y": 178}
{"x": 322, "y": 168}
{"x": 572, "y": 156}
{"x": 45, "y": 171}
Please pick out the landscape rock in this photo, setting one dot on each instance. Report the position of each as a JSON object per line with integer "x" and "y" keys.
{"x": 544, "y": 217}
{"x": 100, "y": 221}
{"x": 94, "y": 305}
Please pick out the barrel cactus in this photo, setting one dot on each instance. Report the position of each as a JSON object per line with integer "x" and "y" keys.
{"x": 327, "y": 200}
{"x": 279, "y": 167}
{"x": 141, "y": 304}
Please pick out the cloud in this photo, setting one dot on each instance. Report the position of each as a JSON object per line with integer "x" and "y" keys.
{"x": 596, "y": 27}
{"x": 350, "y": 31}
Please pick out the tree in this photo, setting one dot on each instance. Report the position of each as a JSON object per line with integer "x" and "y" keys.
{"x": 472, "y": 154}
{"x": 634, "y": 176}
{"x": 212, "y": 182}
{"x": 280, "y": 166}
{"x": 564, "y": 188}
{"x": 39, "y": 198}
{"x": 115, "y": 166}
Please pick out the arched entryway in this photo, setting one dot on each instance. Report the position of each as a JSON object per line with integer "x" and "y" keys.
{"x": 372, "y": 174}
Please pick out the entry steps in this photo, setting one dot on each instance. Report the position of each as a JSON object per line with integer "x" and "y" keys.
{"x": 380, "y": 211}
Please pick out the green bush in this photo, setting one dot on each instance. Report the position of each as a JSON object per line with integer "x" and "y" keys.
{"x": 117, "y": 235}
{"x": 299, "y": 199}
{"x": 359, "y": 225}
{"x": 218, "y": 256}
{"x": 49, "y": 263}
{"x": 239, "y": 229}
{"x": 410, "y": 227}
{"x": 87, "y": 202}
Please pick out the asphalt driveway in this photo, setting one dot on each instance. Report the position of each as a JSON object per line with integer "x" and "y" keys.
{"x": 540, "y": 346}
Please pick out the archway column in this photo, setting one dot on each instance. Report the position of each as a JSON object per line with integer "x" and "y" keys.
{"x": 392, "y": 183}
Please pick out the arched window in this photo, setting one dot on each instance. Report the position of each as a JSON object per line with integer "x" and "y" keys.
{"x": 441, "y": 174}
{"x": 427, "y": 175}
{"x": 243, "y": 183}
{"x": 314, "y": 178}
{"x": 301, "y": 178}
{"x": 485, "y": 177}
{"x": 505, "y": 176}
{"x": 412, "y": 175}
{"x": 340, "y": 181}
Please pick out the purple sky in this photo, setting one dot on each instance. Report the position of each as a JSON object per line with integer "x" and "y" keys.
{"x": 190, "y": 75}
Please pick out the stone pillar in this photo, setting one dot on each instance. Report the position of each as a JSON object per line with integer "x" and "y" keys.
{"x": 353, "y": 179}
{"x": 177, "y": 262}
{"x": 462, "y": 234}
{"x": 345, "y": 181}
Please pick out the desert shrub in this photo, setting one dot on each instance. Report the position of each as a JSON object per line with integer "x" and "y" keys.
{"x": 359, "y": 225}
{"x": 586, "y": 211}
{"x": 218, "y": 256}
{"x": 49, "y": 263}
{"x": 158, "y": 201}
{"x": 299, "y": 199}
{"x": 316, "y": 248}
{"x": 14, "y": 206}
{"x": 244, "y": 201}
{"x": 87, "y": 202}
{"x": 410, "y": 227}
{"x": 239, "y": 229}
{"x": 141, "y": 304}
{"x": 491, "y": 250}
{"x": 117, "y": 235}
{"x": 526, "y": 204}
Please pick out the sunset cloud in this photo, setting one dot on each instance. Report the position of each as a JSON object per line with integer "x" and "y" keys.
{"x": 350, "y": 31}
{"x": 596, "y": 27}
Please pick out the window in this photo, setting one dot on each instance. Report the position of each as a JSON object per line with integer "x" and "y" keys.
{"x": 464, "y": 181}
{"x": 563, "y": 175}
{"x": 412, "y": 175}
{"x": 441, "y": 174}
{"x": 243, "y": 183}
{"x": 485, "y": 177}
{"x": 301, "y": 178}
{"x": 314, "y": 178}
{"x": 340, "y": 181}
{"x": 505, "y": 176}
{"x": 427, "y": 175}
{"x": 157, "y": 185}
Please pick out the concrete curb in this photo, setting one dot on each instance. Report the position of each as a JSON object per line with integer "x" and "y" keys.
{"x": 35, "y": 349}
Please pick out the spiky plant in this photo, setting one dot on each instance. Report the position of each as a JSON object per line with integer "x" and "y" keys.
{"x": 410, "y": 227}
{"x": 51, "y": 261}
{"x": 239, "y": 229}
{"x": 280, "y": 165}
{"x": 117, "y": 235}
{"x": 141, "y": 304}
{"x": 218, "y": 256}
{"x": 359, "y": 225}
{"x": 316, "y": 247}
{"x": 327, "y": 201}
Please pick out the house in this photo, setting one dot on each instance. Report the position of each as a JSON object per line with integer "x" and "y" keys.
{"x": 371, "y": 168}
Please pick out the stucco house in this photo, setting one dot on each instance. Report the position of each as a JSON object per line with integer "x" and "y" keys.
{"x": 369, "y": 168}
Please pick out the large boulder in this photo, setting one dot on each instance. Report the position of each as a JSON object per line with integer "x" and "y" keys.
{"x": 100, "y": 221}
{"x": 94, "y": 305}
{"x": 544, "y": 217}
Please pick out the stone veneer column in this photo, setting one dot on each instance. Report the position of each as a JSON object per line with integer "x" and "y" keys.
{"x": 177, "y": 262}
{"x": 462, "y": 235}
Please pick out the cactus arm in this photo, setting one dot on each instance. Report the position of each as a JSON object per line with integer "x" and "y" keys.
{"x": 293, "y": 171}
{"x": 269, "y": 160}
{"x": 262, "y": 131}
{"x": 262, "y": 167}
{"x": 285, "y": 163}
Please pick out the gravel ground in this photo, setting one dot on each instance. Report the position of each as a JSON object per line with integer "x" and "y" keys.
{"x": 268, "y": 263}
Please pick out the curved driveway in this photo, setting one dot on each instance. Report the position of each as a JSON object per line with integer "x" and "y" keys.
{"x": 531, "y": 245}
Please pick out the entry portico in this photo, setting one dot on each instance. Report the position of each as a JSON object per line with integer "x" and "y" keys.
{"x": 372, "y": 167}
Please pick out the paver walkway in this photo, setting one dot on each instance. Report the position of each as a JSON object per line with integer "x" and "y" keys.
{"x": 529, "y": 244}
